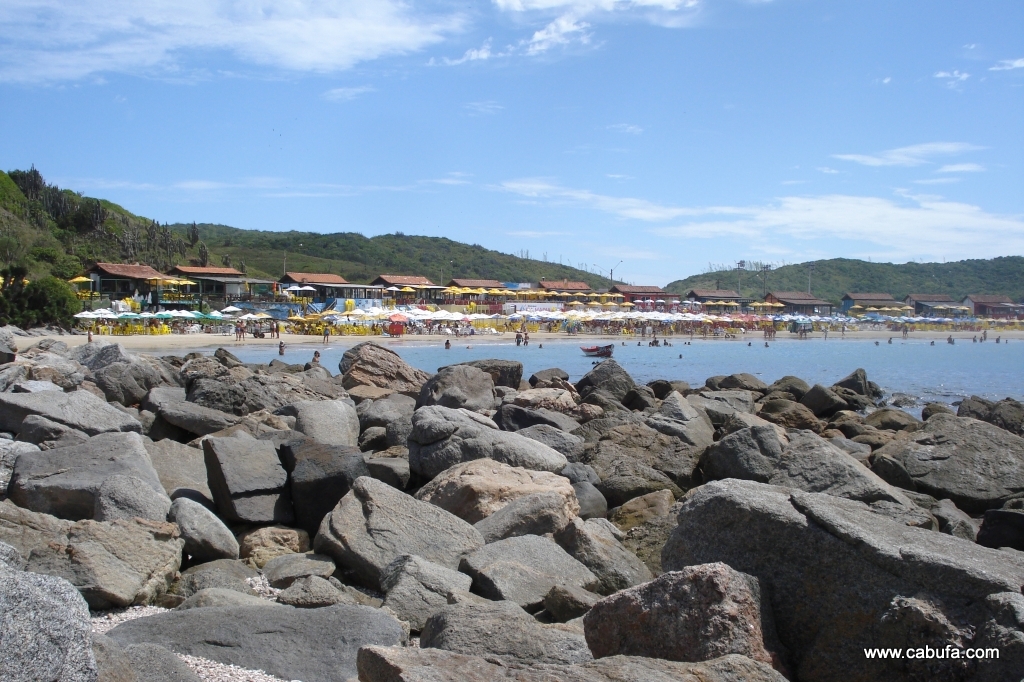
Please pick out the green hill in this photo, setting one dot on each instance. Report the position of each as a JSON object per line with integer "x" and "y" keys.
{"x": 57, "y": 231}
{"x": 832, "y": 278}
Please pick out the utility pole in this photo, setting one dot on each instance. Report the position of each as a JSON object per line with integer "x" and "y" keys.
{"x": 740, "y": 267}
{"x": 765, "y": 269}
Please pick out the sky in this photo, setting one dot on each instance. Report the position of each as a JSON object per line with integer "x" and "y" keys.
{"x": 654, "y": 138}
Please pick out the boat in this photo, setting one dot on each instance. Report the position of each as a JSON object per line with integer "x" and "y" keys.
{"x": 598, "y": 351}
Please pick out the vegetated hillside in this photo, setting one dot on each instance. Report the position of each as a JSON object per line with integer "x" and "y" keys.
{"x": 833, "y": 278}
{"x": 57, "y": 231}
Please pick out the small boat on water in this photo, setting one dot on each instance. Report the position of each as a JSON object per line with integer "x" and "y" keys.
{"x": 598, "y": 351}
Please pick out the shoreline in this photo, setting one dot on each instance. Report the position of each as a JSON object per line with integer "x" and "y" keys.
{"x": 172, "y": 342}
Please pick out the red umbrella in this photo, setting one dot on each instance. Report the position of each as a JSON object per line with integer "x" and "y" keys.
{"x": 398, "y": 317}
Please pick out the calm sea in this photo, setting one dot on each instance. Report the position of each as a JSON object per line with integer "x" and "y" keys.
{"x": 941, "y": 372}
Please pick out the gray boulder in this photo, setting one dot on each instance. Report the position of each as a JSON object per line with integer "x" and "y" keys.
{"x": 127, "y": 383}
{"x": 932, "y": 409}
{"x": 112, "y": 564}
{"x": 523, "y": 569}
{"x": 383, "y": 411}
{"x": 1002, "y": 528}
{"x": 48, "y": 434}
{"x": 221, "y": 596}
{"x": 822, "y": 401}
{"x": 31, "y": 386}
{"x": 370, "y": 364}
{"x": 596, "y": 544}
{"x": 10, "y": 556}
{"x": 247, "y": 480}
{"x": 555, "y": 438}
{"x": 321, "y": 475}
{"x": 195, "y": 419}
{"x": 155, "y": 663}
{"x": 417, "y": 588}
{"x": 795, "y": 386}
{"x": 314, "y": 592}
{"x": 976, "y": 465}
{"x": 9, "y": 451}
{"x": 892, "y": 419}
{"x": 283, "y": 570}
{"x": 857, "y": 381}
{"x": 699, "y": 613}
{"x": 884, "y": 579}
{"x": 206, "y": 537}
{"x": 307, "y": 644}
{"x": 225, "y": 574}
{"x": 66, "y": 482}
{"x": 789, "y": 415}
{"x": 593, "y": 505}
{"x": 459, "y": 386}
{"x": 44, "y": 629}
{"x": 502, "y": 631}
{"x": 512, "y": 417}
{"x": 112, "y": 663}
{"x": 1006, "y": 414}
{"x": 443, "y": 437}
{"x": 79, "y": 410}
{"x": 507, "y": 373}
{"x": 744, "y": 382}
{"x": 182, "y": 470}
{"x": 331, "y": 422}
{"x": 160, "y": 395}
{"x": 547, "y": 375}
{"x": 534, "y": 514}
{"x": 374, "y": 524}
{"x": 125, "y": 497}
{"x": 565, "y": 602}
{"x": 607, "y": 376}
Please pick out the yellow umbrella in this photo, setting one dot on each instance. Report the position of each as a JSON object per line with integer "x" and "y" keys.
{"x": 594, "y": 303}
{"x": 627, "y": 304}
{"x": 593, "y": 295}
{"x": 479, "y": 291}
{"x": 296, "y": 318}
{"x": 79, "y": 280}
{"x": 451, "y": 290}
{"x": 186, "y": 282}
{"x": 609, "y": 303}
{"x": 407, "y": 290}
{"x": 494, "y": 292}
{"x": 574, "y": 303}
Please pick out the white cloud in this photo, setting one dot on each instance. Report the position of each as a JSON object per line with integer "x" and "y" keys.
{"x": 624, "y": 207}
{"x": 1008, "y": 64}
{"x": 562, "y": 31}
{"x": 487, "y": 107}
{"x": 626, "y": 128}
{"x": 936, "y": 181}
{"x": 476, "y": 54}
{"x": 961, "y": 168}
{"x": 53, "y": 40}
{"x": 914, "y": 155}
{"x": 887, "y": 80}
{"x": 953, "y": 78}
{"x": 827, "y": 170}
{"x": 339, "y": 94}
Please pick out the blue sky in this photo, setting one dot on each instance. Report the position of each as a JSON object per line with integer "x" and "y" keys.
{"x": 667, "y": 134}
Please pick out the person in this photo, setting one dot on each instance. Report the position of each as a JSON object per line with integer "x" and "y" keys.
{"x": 519, "y": 338}
{"x": 448, "y": 344}
{"x": 316, "y": 357}
{"x": 826, "y": 333}
{"x": 949, "y": 339}
{"x": 890, "y": 340}
{"x": 765, "y": 344}
{"x": 90, "y": 336}
{"x": 526, "y": 338}
{"x": 327, "y": 333}
{"x": 280, "y": 348}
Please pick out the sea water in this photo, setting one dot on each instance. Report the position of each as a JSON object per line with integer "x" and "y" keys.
{"x": 941, "y": 373}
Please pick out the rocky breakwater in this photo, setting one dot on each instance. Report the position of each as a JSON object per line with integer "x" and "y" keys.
{"x": 312, "y": 525}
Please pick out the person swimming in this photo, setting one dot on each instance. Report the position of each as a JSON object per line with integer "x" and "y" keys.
{"x": 447, "y": 344}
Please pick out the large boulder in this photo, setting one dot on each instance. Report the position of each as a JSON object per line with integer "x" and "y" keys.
{"x": 696, "y": 614}
{"x": 112, "y": 564}
{"x": 371, "y": 364}
{"x": 459, "y": 386}
{"x": 79, "y": 410}
{"x": 48, "y": 434}
{"x": 182, "y": 470}
{"x": 66, "y": 482}
{"x": 390, "y": 664}
{"x": 443, "y": 437}
{"x": 555, "y": 438}
{"x": 503, "y": 372}
{"x": 892, "y": 419}
{"x": 127, "y": 383}
{"x": 374, "y": 524}
{"x": 648, "y": 539}
{"x": 157, "y": 664}
{"x": 513, "y": 417}
{"x": 206, "y": 537}
{"x": 225, "y": 574}
{"x": 307, "y": 644}
{"x": 793, "y": 385}
{"x": 417, "y": 588}
{"x": 261, "y": 545}
{"x": 195, "y": 419}
{"x": 806, "y": 462}
{"x": 382, "y": 412}
{"x": 595, "y": 543}
{"x": 331, "y": 422}
{"x": 523, "y": 569}
{"x": 474, "y": 490}
{"x": 789, "y": 414}
{"x": 320, "y": 476}
{"x": 127, "y": 497}
{"x": 9, "y": 451}
{"x": 247, "y": 480}
{"x": 546, "y": 375}
{"x": 1006, "y": 414}
{"x": 44, "y": 629}
{"x": 534, "y": 514}
{"x": 823, "y": 402}
{"x": 503, "y": 631}
{"x": 284, "y": 570}
{"x": 842, "y": 579}
{"x": 607, "y": 376}
{"x": 857, "y": 381}
{"x": 976, "y": 465}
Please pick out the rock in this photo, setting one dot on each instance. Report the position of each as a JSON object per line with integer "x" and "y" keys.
{"x": 259, "y": 546}
{"x": 512, "y": 417}
{"x": 159, "y": 395}
{"x": 35, "y": 387}
{"x": 743, "y": 382}
{"x": 623, "y": 478}
{"x": 641, "y": 509}
{"x": 443, "y": 437}
{"x": 157, "y": 664}
{"x": 1002, "y": 528}
{"x": 389, "y": 664}
{"x": 501, "y": 631}
{"x": 374, "y": 524}
{"x": 1006, "y": 414}
{"x": 534, "y": 514}
{"x": 247, "y": 480}
{"x": 331, "y": 422}
{"x": 206, "y": 537}
{"x": 578, "y": 472}
{"x": 221, "y": 573}
{"x": 555, "y": 438}
{"x": 112, "y": 564}
{"x": 370, "y": 364}
{"x": 79, "y": 410}
{"x": 790, "y": 415}
{"x": 892, "y": 419}
{"x": 859, "y": 451}
{"x": 45, "y": 633}
{"x": 595, "y": 544}
{"x": 362, "y": 392}
{"x": 932, "y": 409}
{"x": 795, "y": 386}
{"x": 195, "y": 419}
{"x": 649, "y": 538}
{"x": 954, "y": 522}
{"x": 547, "y": 375}
{"x": 718, "y": 411}
{"x": 313, "y": 592}
{"x": 503, "y": 372}
{"x": 221, "y": 596}
{"x": 417, "y": 588}
{"x": 282, "y": 571}
{"x": 670, "y": 447}
{"x": 391, "y": 470}
{"x": 48, "y": 434}
{"x": 565, "y": 602}
{"x": 112, "y": 663}
{"x": 10, "y": 556}
{"x": 127, "y": 383}
{"x": 9, "y": 451}
{"x": 66, "y": 482}
{"x": 593, "y": 505}
{"x": 127, "y": 497}
{"x": 474, "y": 490}
{"x": 373, "y": 438}
{"x": 976, "y": 465}
{"x": 856, "y": 401}
{"x": 640, "y": 398}
{"x": 320, "y": 476}
{"x": 604, "y": 401}
{"x": 858, "y": 382}
{"x": 607, "y": 376}
{"x": 317, "y": 644}
{"x": 699, "y": 613}
{"x": 822, "y": 401}
{"x": 384, "y": 411}
{"x": 885, "y": 580}
{"x": 741, "y": 401}
{"x": 181, "y": 469}
{"x": 523, "y": 570}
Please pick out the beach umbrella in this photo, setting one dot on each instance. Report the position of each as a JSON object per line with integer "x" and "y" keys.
{"x": 407, "y": 290}
{"x": 79, "y": 280}
{"x": 231, "y": 309}
{"x": 86, "y": 315}
{"x": 294, "y": 287}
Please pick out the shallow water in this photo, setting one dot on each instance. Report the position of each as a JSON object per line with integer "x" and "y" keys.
{"x": 942, "y": 372}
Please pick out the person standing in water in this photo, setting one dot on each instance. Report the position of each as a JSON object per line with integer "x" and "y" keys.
{"x": 448, "y": 344}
